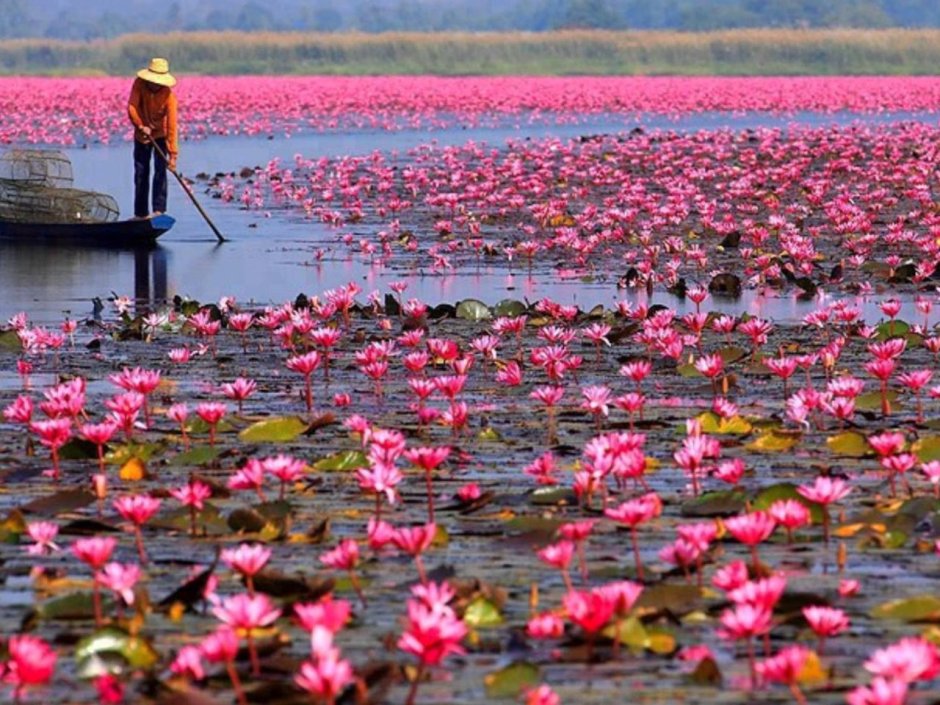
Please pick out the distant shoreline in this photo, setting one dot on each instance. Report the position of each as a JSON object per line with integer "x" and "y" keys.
{"x": 750, "y": 52}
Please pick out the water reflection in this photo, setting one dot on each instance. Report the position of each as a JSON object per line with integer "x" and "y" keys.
{"x": 48, "y": 281}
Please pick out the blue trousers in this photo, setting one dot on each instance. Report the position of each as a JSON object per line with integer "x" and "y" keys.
{"x": 143, "y": 153}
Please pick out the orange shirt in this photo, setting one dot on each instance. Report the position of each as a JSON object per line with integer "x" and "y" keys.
{"x": 155, "y": 109}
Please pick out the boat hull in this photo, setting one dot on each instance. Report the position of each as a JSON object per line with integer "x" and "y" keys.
{"x": 119, "y": 234}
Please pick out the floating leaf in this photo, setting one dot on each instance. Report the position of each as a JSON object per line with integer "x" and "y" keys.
{"x": 812, "y": 673}
{"x": 78, "y": 449}
{"x": 920, "y": 608}
{"x": 509, "y": 308}
{"x": 689, "y": 370}
{"x": 489, "y": 434}
{"x": 850, "y": 444}
{"x": 717, "y": 425}
{"x": 121, "y": 454}
{"x": 774, "y": 442}
{"x": 74, "y": 606}
{"x": 787, "y": 490}
{"x": 133, "y": 470}
{"x": 482, "y": 613}
{"x": 660, "y": 641}
{"x": 511, "y": 681}
{"x": 136, "y": 652}
{"x": 473, "y": 310}
{"x": 927, "y": 449}
{"x": 342, "y": 462}
{"x": 277, "y": 430}
{"x": 630, "y": 632}
{"x": 706, "y": 672}
{"x": 197, "y": 455}
{"x": 731, "y": 354}
{"x": 59, "y": 503}
{"x": 10, "y": 341}
{"x": 549, "y": 496}
{"x": 871, "y": 401}
{"x": 675, "y": 598}
{"x": 713, "y": 504}
{"x": 892, "y": 329}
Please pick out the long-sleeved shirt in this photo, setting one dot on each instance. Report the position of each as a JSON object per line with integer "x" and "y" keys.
{"x": 156, "y": 110}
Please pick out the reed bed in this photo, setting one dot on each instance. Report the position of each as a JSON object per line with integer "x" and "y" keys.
{"x": 737, "y": 52}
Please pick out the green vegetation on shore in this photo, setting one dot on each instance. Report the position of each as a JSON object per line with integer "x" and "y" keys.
{"x": 729, "y": 52}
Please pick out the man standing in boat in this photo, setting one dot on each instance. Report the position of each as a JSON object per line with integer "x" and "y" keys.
{"x": 152, "y": 110}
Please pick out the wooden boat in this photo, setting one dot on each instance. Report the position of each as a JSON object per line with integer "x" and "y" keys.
{"x": 118, "y": 234}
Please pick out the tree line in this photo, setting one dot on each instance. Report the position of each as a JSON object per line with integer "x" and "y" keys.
{"x": 94, "y": 19}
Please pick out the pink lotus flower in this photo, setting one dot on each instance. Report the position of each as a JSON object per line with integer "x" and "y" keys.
{"x": 328, "y": 614}
{"x": 825, "y": 491}
{"x": 751, "y": 529}
{"x": 825, "y": 621}
{"x": 882, "y": 691}
{"x": 53, "y": 434}
{"x": 325, "y": 676}
{"x": 43, "y": 534}
{"x": 414, "y": 540}
{"x": 188, "y": 663}
{"x": 245, "y": 613}
{"x": 247, "y": 559}
{"x": 545, "y": 626}
{"x": 239, "y": 390}
{"x": 910, "y": 659}
{"x": 31, "y": 662}
{"x": 211, "y": 412}
{"x": 121, "y": 579}
{"x": 137, "y": 509}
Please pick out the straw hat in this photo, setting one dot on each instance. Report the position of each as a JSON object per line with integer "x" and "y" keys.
{"x": 158, "y": 72}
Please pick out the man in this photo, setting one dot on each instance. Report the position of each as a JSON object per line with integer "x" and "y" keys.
{"x": 152, "y": 110}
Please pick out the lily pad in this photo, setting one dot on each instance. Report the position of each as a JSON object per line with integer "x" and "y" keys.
{"x": 714, "y": 424}
{"x": 774, "y": 442}
{"x": 136, "y": 652}
{"x": 277, "y": 430}
{"x": 871, "y": 401}
{"x": 473, "y": 310}
{"x": 482, "y": 613}
{"x": 509, "y": 308}
{"x": 197, "y": 455}
{"x": 927, "y": 449}
{"x": 342, "y": 462}
{"x": 786, "y": 490}
{"x": 511, "y": 681}
{"x": 850, "y": 444}
{"x": 919, "y": 608}
{"x": 714, "y": 504}
{"x": 10, "y": 341}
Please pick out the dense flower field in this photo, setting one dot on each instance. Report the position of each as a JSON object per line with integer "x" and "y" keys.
{"x": 91, "y": 110}
{"x": 360, "y": 496}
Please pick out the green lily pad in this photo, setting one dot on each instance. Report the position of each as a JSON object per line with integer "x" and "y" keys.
{"x": 786, "y": 490}
{"x": 473, "y": 310}
{"x": 920, "y": 608}
{"x": 714, "y": 424}
{"x": 871, "y": 401}
{"x": 774, "y": 442}
{"x": 277, "y": 430}
{"x": 482, "y": 613}
{"x": 850, "y": 444}
{"x": 73, "y": 606}
{"x": 78, "y": 449}
{"x": 342, "y": 462}
{"x": 197, "y": 455}
{"x": 732, "y": 354}
{"x": 142, "y": 451}
{"x": 509, "y": 308}
{"x": 10, "y": 341}
{"x": 714, "y": 504}
{"x": 550, "y": 496}
{"x": 630, "y": 632}
{"x": 893, "y": 329}
{"x": 135, "y": 651}
{"x": 511, "y": 681}
{"x": 927, "y": 449}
